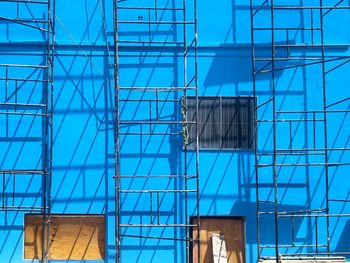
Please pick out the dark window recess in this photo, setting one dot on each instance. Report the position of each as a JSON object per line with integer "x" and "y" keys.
{"x": 224, "y": 122}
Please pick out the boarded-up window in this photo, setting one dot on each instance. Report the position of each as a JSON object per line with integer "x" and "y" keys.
{"x": 224, "y": 122}
{"x": 231, "y": 233}
{"x": 72, "y": 237}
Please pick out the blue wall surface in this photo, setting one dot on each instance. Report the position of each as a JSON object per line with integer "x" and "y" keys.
{"x": 83, "y": 136}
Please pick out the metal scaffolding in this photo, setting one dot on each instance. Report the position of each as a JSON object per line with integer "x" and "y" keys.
{"x": 26, "y": 77}
{"x": 156, "y": 112}
{"x": 291, "y": 35}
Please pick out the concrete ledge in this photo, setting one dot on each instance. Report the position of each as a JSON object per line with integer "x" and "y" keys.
{"x": 305, "y": 260}
{"x": 302, "y": 261}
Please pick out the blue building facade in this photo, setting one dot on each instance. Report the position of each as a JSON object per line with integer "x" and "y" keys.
{"x": 296, "y": 176}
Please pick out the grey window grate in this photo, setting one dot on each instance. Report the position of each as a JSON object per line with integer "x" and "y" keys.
{"x": 224, "y": 122}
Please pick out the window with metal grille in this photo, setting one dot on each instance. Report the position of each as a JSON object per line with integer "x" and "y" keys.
{"x": 224, "y": 122}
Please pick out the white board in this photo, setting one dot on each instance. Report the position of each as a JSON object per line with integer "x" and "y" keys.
{"x": 219, "y": 248}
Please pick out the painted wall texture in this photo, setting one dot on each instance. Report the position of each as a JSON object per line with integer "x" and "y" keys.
{"x": 83, "y": 134}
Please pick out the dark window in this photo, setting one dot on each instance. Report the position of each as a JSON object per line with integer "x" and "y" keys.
{"x": 224, "y": 122}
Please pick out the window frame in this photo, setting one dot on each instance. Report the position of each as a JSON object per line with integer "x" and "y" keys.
{"x": 254, "y": 127}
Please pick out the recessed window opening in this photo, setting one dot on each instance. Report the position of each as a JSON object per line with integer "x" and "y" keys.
{"x": 224, "y": 122}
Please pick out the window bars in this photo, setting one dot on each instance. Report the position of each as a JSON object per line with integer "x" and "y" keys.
{"x": 26, "y": 77}
{"x": 157, "y": 187}
{"x": 297, "y": 150}
{"x": 224, "y": 122}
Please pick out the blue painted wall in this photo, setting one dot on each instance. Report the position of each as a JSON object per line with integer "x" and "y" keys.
{"x": 83, "y": 153}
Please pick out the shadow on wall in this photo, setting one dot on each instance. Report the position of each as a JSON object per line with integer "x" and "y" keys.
{"x": 230, "y": 65}
{"x": 230, "y": 73}
{"x": 82, "y": 132}
{"x": 83, "y": 135}
{"x": 344, "y": 239}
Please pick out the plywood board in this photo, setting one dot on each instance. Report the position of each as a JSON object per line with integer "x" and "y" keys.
{"x": 231, "y": 228}
{"x": 72, "y": 237}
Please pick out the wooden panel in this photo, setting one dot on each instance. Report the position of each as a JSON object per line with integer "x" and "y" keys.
{"x": 72, "y": 237}
{"x": 230, "y": 228}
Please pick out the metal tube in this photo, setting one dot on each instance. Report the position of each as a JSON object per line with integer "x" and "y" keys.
{"x": 325, "y": 129}
{"x": 197, "y": 130}
{"x": 275, "y": 173}
{"x": 255, "y": 130}
{"x": 116, "y": 136}
{"x": 185, "y": 53}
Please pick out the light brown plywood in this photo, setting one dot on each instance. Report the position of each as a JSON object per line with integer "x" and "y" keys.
{"x": 231, "y": 228}
{"x": 72, "y": 237}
